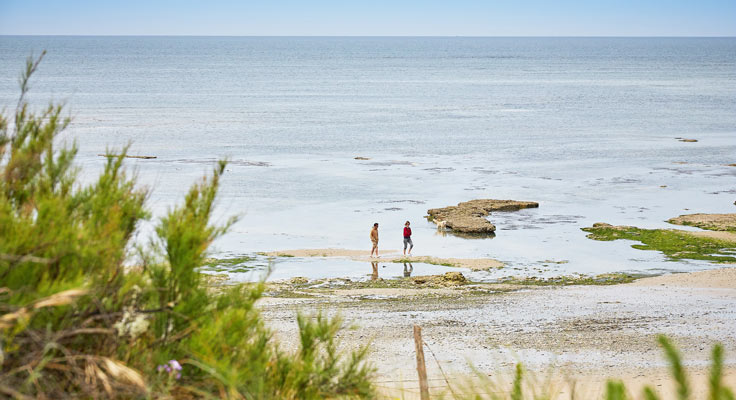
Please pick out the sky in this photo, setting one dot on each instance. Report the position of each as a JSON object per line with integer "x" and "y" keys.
{"x": 369, "y": 18}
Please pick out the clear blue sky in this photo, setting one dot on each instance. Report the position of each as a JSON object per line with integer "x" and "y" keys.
{"x": 370, "y": 17}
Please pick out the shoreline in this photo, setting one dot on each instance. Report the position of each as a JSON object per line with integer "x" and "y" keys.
{"x": 589, "y": 332}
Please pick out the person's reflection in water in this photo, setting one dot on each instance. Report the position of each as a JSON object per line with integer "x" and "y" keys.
{"x": 374, "y": 276}
{"x": 408, "y": 271}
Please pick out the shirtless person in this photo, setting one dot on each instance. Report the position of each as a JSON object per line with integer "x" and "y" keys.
{"x": 374, "y": 239}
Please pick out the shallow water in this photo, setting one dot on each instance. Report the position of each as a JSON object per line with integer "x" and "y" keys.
{"x": 586, "y": 127}
{"x": 283, "y": 268}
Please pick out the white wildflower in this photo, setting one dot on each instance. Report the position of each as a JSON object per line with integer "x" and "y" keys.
{"x": 132, "y": 324}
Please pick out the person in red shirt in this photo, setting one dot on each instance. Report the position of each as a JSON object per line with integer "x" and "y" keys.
{"x": 407, "y": 238}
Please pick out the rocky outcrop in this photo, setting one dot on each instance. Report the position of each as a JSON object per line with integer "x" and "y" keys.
{"x": 470, "y": 216}
{"x": 713, "y": 222}
{"x": 609, "y": 226}
{"x": 448, "y": 279}
{"x": 453, "y": 278}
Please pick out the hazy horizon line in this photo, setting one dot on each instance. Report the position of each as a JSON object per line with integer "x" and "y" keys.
{"x": 378, "y": 36}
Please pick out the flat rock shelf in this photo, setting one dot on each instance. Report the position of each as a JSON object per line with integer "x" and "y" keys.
{"x": 470, "y": 216}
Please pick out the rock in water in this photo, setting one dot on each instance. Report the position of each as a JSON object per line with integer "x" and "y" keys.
{"x": 470, "y": 216}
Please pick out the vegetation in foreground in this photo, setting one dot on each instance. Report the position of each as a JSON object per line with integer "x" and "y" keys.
{"x": 77, "y": 322}
{"x": 676, "y": 245}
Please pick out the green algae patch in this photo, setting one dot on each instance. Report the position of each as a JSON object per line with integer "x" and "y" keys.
{"x": 446, "y": 280}
{"x": 234, "y": 264}
{"x": 601, "y": 280}
{"x": 289, "y": 294}
{"x": 676, "y": 245}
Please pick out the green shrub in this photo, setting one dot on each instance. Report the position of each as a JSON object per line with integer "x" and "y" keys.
{"x": 77, "y": 321}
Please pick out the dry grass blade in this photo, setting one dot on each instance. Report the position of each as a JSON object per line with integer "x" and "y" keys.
{"x": 86, "y": 331}
{"x": 14, "y": 393}
{"x": 7, "y": 320}
{"x": 60, "y": 299}
{"x": 122, "y": 372}
{"x": 25, "y": 258}
{"x": 103, "y": 378}
{"x": 57, "y": 299}
{"x": 89, "y": 374}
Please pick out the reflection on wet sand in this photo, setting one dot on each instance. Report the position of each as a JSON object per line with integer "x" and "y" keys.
{"x": 408, "y": 269}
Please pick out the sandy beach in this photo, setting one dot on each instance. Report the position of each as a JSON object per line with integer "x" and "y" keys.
{"x": 588, "y": 333}
{"x": 476, "y": 264}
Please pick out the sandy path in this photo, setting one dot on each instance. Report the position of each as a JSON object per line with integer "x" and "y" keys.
{"x": 590, "y": 332}
{"x": 475, "y": 264}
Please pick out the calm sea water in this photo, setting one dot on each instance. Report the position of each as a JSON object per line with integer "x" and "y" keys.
{"x": 585, "y": 126}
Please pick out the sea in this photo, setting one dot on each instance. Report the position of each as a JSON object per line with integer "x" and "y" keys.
{"x": 588, "y": 127}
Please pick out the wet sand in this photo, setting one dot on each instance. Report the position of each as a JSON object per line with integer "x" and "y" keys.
{"x": 724, "y": 278}
{"x": 475, "y": 264}
{"x": 329, "y": 253}
{"x": 720, "y": 235}
{"x": 587, "y": 332}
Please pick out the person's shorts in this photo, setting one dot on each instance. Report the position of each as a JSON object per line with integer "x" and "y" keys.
{"x": 375, "y": 242}
{"x": 408, "y": 242}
